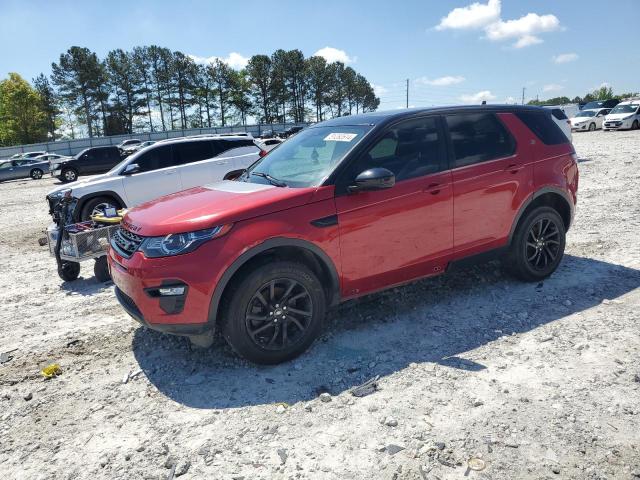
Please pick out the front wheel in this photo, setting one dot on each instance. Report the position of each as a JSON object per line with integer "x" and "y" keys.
{"x": 69, "y": 175}
{"x": 101, "y": 269}
{"x": 274, "y": 313}
{"x": 635, "y": 125}
{"x": 36, "y": 174}
{"x": 537, "y": 246}
{"x": 592, "y": 127}
{"x": 69, "y": 271}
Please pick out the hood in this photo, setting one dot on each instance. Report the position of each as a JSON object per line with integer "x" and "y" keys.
{"x": 94, "y": 180}
{"x": 575, "y": 120}
{"x": 618, "y": 116}
{"x": 215, "y": 204}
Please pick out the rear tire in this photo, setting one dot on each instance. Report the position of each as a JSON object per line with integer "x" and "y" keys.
{"x": 274, "y": 313}
{"x": 92, "y": 206}
{"x": 537, "y": 246}
{"x": 36, "y": 174}
{"x": 68, "y": 175}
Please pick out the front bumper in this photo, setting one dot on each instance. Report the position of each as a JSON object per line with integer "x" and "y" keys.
{"x": 617, "y": 125}
{"x": 579, "y": 128}
{"x": 137, "y": 280}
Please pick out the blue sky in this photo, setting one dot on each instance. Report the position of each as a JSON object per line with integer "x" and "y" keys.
{"x": 453, "y": 51}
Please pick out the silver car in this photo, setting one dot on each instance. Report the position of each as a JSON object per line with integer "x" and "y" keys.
{"x": 23, "y": 168}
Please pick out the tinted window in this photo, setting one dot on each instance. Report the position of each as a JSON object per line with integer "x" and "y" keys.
{"x": 221, "y": 146}
{"x": 408, "y": 149}
{"x": 154, "y": 159}
{"x": 478, "y": 137}
{"x": 559, "y": 114}
{"x": 545, "y": 129}
{"x": 188, "y": 152}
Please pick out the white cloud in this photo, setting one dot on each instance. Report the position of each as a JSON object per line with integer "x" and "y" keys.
{"x": 378, "y": 89}
{"x": 487, "y": 16}
{"x": 441, "y": 81}
{"x": 527, "y": 41}
{"x": 565, "y": 58}
{"x": 552, "y": 87}
{"x": 476, "y": 15}
{"x": 331, "y": 55}
{"x": 234, "y": 60}
{"x": 478, "y": 97}
{"x": 510, "y": 100}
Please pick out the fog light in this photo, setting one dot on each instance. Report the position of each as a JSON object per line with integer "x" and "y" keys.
{"x": 170, "y": 291}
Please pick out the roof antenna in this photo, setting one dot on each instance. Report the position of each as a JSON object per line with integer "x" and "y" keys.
{"x": 484, "y": 102}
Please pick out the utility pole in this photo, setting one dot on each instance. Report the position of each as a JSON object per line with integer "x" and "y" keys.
{"x": 407, "y": 93}
{"x": 523, "y": 89}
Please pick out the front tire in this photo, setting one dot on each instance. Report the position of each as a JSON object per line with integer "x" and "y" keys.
{"x": 36, "y": 174}
{"x": 537, "y": 246}
{"x": 69, "y": 271}
{"x": 635, "y": 125}
{"x": 101, "y": 269}
{"x": 68, "y": 175}
{"x": 592, "y": 127}
{"x": 274, "y": 313}
{"x": 97, "y": 205}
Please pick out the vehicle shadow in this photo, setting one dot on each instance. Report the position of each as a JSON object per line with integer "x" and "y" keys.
{"x": 86, "y": 286}
{"x": 434, "y": 320}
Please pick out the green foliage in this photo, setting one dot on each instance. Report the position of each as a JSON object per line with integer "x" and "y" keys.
{"x": 605, "y": 92}
{"x": 22, "y": 118}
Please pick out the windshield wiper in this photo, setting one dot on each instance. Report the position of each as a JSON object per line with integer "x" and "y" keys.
{"x": 272, "y": 180}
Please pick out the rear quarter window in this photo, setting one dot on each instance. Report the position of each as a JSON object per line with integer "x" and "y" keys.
{"x": 559, "y": 114}
{"x": 544, "y": 127}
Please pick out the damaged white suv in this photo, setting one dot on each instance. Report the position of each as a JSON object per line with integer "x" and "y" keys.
{"x": 166, "y": 167}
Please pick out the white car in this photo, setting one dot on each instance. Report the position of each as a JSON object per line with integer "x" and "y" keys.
{"x": 624, "y": 116}
{"x": 589, "y": 120}
{"x": 160, "y": 169}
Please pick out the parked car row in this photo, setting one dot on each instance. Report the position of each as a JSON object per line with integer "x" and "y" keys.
{"x": 623, "y": 116}
{"x": 259, "y": 245}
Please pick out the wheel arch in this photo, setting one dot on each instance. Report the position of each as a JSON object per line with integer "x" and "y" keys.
{"x": 82, "y": 201}
{"x": 548, "y": 196}
{"x": 306, "y": 252}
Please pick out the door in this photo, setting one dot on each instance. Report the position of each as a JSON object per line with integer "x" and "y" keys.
{"x": 157, "y": 175}
{"x": 491, "y": 174}
{"x": 196, "y": 163}
{"x": 9, "y": 170}
{"x": 404, "y": 232}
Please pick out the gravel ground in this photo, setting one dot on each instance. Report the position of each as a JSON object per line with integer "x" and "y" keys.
{"x": 536, "y": 381}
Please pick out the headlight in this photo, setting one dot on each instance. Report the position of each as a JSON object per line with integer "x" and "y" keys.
{"x": 65, "y": 192}
{"x": 179, "y": 243}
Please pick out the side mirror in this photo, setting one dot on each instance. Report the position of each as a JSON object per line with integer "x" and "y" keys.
{"x": 131, "y": 169}
{"x": 373, "y": 179}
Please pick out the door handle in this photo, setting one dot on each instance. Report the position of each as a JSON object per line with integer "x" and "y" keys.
{"x": 513, "y": 168}
{"x": 434, "y": 188}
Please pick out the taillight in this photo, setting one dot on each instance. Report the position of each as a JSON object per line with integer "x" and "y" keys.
{"x": 262, "y": 153}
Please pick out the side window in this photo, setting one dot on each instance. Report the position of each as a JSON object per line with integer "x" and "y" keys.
{"x": 544, "y": 128}
{"x": 478, "y": 137}
{"x": 221, "y": 146}
{"x": 409, "y": 149}
{"x": 189, "y": 152}
{"x": 154, "y": 159}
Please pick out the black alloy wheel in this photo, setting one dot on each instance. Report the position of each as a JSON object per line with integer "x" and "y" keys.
{"x": 278, "y": 314}
{"x": 543, "y": 245}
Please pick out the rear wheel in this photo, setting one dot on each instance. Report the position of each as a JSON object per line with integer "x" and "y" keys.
{"x": 96, "y": 206}
{"x": 537, "y": 246}
{"x": 592, "y": 127}
{"x": 69, "y": 175}
{"x": 101, "y": 269}
{"x": 36, "y": 174}
{"x": 274, "y": 313}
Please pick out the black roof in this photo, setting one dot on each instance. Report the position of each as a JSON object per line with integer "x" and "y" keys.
{"x": 377, "y": 118}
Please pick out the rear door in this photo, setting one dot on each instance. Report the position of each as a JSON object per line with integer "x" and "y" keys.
{"x": 235, "y": 154}
{"x": 194, "y": 162}
{"x": 157, "y": 176}
{"x": 492, "y": 176}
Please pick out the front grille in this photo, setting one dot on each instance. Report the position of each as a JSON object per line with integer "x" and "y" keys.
{"x": 125, "y": 242}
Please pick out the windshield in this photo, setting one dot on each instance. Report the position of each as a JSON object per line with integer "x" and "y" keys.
{"x": 308, "y": 158}
{"x": 591, "y": 105}
{"x": 628, "y": 108}
{"x": 585, "y": 113}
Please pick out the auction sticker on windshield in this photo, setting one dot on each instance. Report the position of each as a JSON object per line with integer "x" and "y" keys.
{"x": 340, "y": 137}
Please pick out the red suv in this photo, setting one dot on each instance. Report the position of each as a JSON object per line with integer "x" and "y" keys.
{"x": 347, "y": 207}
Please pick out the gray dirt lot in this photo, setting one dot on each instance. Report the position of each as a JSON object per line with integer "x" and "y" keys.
{"x": 540, "y": 381}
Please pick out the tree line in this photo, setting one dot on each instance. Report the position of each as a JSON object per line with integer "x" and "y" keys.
{"x": 153, "y": 88}
{"x": 603, "y": 93}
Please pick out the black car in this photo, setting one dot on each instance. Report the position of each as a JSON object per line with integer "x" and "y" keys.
{"x": 290, "y": 131}
{"x": 597, "y": 104}
{"x": 90, "y": 161}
